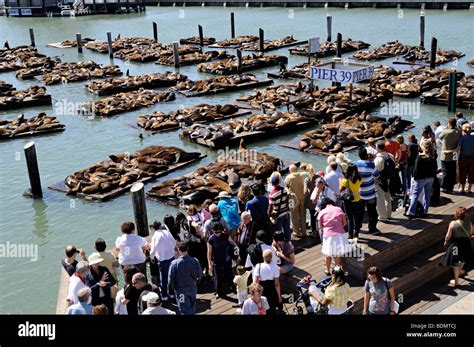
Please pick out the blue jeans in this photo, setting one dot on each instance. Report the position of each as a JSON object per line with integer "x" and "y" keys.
{"x": 164, "y": 269}
{"x": 426, "y": 185}
{"x": 283, "y": 224}
{"x": 186, "y": 300}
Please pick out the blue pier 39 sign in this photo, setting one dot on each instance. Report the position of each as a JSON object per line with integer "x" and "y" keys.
{"x": 342, "y": 73}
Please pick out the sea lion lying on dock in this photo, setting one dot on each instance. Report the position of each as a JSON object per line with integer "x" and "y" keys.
{"x": 257, "y": 122}
{"x": 5, "y": 87}
{"x": 12, "y": 59}
{"x": 136, "y": 82}
{"x": 387, "y": 50}
{"x": 80, "y": 71}
{"x": 236, "y": 41}
{"x": 13, "y": 97}
{"x": 123, "y": 169}
{"x": 202, "y": 113}
{"x": 268, "y": 45}
{"x": 193, "y": 58}
{"x": 353, "y": 131}
{"x": 118, "y": 44}
{"x": 327, "y": 48}
{"x": 206, "y": 182}
{"x": 464, "y": 94}
{"x": 229, "y": 66}
{"x": 123, "y": 102}
{"x": 215, "y": 83}
{"x": 206, "y": 40}
{"x": 417, "y": 53}
{"x": 274, "y": 96}
{"x": 296, "y": 72}
{"x": 20, "y": 125}
{"x": 470, "y": 62}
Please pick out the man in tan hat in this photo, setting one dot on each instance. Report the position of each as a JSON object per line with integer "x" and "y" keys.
{"x": 100, "y": 280}
{"x": 153, "y": 302}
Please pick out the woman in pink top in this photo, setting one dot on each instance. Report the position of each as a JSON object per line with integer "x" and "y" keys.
{"x": 331, "y": 221}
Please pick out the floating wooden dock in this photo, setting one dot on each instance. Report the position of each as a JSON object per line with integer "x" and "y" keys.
{"x": 235, "y": 87}
{"x": 28, "y": 102}
{"x": 61, "y": 186}
{"x": 60, "y": 128}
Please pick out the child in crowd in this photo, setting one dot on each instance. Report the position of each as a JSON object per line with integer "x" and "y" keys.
{"x": 240, "y": 281}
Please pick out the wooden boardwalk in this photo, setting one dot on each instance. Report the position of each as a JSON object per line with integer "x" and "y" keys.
{"x": 407, "y": 271}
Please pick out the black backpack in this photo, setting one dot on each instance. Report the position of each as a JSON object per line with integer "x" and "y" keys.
{"x": 255, "y": 253}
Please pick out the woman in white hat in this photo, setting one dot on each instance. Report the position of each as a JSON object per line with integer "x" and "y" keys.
{"x": 100, "y": 280}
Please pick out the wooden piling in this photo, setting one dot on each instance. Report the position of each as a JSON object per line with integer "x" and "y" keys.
{"x": 232, "y": 25}
{"x": 261, "y": 36}
{"x": 109, "y": 42}
{"x": 176, "y": 54}
{"x": 452, "y": 91}
{"x": 79, "y": 43}
{"x": 434, "y": 47}
{"x": 155, "y": 32}
{"x": 139, "y": 209}
{"x": 33, "y": 171}
{"x": 339, "y": 45}
{"x": 329, "y": 27}
{"x": 422, "y": 30}
{"x": 32, "y": 37}
{"x": 239, "y": 61}
{"x": 201, "y": 36}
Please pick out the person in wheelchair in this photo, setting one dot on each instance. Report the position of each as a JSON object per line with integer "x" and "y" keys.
{"x": 336, "y": 295}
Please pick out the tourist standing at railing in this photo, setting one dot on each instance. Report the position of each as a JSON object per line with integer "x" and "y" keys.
{"x": 69, "y": 264}
{"x": 333, "y": 177}
{"x": 246, "y": 235}
{"x": 184, "y": 274}
{"x": 466, "y": 159}
{"x": 216, "y": 216}
{"x": 219, "y": 249}
{"x": 309, "y": 184}
{"x": 458, "y": 243}
{"x": 368, "y": 193}
{"x": 243, "y": 196}
{"x": 449, "y": 143}
{"x": 205, "y": 214}
{"x": 460, "y": 120}
{"x": 83, "y": 305}
{"x": 332, "y": 221}
{"x": 402, "y": 163}
{"x": 424, "y": 175}
{"x": 131, "y": 248}
{"x": 278, "y": 208}
{"x": 350, "y": 196}
{"x": 285, "y": 252}
{"x": 385, "y": 171}
{"x": 294, "y": 182}
{"x": 438, "y": 129}
{"x": 100, "y": 281}
{"x": 162, "y": 254}
{"x": 413, "y": 150}
{"x": 258, "y": 208}
{"x": 379, "y": 295}
{"x": 77, "y": 281}
{"x": 267, "y": 274}
{"x": 110, "y": 261}
{"x": 229, "y": 209}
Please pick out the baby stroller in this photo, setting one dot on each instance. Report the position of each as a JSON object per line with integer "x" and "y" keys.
{"x": 308, "y": 284}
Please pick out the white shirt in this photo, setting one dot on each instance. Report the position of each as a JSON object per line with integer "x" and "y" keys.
{"x": 332, "y": 180}
{"x": 248, "y": 262}
{"x": 162, "y": 245}
{"x": 251, "y": 308}
{"x": 75, "y": 284}
{"x": 120, "y": 308}
{"x": 131, "y": 252}
{"x": 266, "y": 272}
{"x": 371, "y": 150}
{"x": 158, "y": 310}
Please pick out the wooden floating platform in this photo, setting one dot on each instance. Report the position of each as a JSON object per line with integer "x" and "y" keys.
{"x": 246, "y": 67}
{"x": 469, "y": 105}
{"x": 239, "y": 113}
{"x": 246, "y": 85}
{"x": 28, "y": 102}
{"x": 124, "y": 89}
{"x": 283, "y": 168}
{"x": 61, "y": 186}
{"x": 293, "y": 144}
{"x": 34, "y": 133}
{"x": 286, "y": 45}
{"x": 249, "y": 136}
{"x": 62, "y": 46}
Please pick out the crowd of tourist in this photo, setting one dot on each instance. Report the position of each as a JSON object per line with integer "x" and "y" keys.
{"x": 245, "y": 244}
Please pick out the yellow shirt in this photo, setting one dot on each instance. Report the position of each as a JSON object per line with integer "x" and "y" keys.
{"x": 354, "y": 187}
{"x": 337, "y": 296}
{"x": 240, "y": 281}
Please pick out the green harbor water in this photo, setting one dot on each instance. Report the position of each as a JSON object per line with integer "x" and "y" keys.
{"x": 57, "y": 220}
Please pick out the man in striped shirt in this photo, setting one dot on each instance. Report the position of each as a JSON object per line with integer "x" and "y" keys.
{"x": 278, "y": 206}
{"x": 368, "y": 195}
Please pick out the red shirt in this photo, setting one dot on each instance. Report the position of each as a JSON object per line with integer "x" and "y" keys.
{"x": 392, "y": 147}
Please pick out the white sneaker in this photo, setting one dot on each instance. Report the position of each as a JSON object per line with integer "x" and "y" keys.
{"x": 238, "y": 311}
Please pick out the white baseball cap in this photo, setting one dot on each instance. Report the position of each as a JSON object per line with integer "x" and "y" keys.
{"x": 151, "y": 297}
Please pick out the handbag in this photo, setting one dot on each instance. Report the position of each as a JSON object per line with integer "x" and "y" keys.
{"x": 347, "y": 195}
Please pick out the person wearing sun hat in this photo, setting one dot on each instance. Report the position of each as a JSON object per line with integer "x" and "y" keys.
{"x": 154, "y": 307}
{"x": 229, "y": 209}
{"x": 100, "y": 280}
